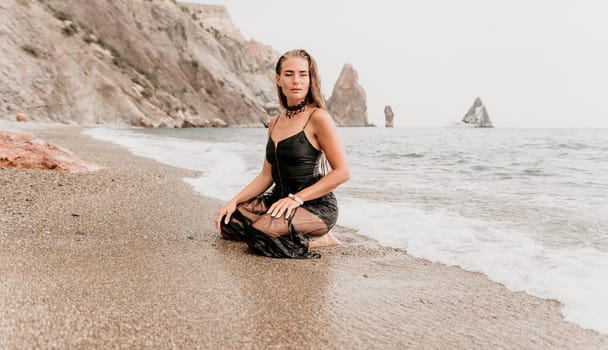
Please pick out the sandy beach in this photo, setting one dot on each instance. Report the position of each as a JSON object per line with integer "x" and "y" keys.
{"x": 127, "y": 257}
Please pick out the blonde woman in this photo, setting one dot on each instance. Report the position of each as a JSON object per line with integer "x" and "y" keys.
{"x": 289, "y": 207}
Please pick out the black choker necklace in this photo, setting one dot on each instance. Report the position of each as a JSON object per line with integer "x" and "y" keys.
{"x": 293, "y": 110}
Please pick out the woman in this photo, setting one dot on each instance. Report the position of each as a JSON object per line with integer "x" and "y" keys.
{"x": 300, "y": 206}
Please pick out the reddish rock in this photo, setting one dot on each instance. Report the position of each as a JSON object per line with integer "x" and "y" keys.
{"x": 22, "y": 118}
{"x": 27, "y": 152}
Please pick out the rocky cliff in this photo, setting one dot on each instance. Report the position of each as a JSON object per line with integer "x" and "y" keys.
{"x": 348, "y": 101}
{"x": 143, "y": 62}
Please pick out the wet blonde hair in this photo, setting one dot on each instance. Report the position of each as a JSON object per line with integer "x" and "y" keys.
{"x": 314, "y": 96}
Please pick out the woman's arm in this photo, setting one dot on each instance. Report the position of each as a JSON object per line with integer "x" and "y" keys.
{"x": 256, "y": 187}
{"x": 326, "y": 135}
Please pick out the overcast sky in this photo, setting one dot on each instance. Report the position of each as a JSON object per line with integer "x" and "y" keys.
{"x": 534, "y": 63}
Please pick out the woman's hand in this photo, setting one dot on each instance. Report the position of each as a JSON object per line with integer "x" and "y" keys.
{"x": 284, "y": 206}
{"x": 227, "y": 211}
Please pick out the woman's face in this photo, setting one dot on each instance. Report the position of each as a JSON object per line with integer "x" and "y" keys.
{"x": 294, "y": 79}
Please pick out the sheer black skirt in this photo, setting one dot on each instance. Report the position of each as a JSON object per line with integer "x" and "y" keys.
{"x": 281, "y": 237}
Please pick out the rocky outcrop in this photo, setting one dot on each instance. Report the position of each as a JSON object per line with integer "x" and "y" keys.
{"x": 348, "y": 101}
{"x": 141, "y": 62}
{"x": 27, "y": 152}
{"x": 388, "y": 116}
{"x": 477, "y": 115}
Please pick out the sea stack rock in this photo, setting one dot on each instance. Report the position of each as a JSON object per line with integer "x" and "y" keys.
{"x": 477, "y": 115}
{"x": 388, "y": 116}
{"x": 348, "y": 101}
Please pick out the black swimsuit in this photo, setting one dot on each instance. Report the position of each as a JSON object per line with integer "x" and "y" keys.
{"x": 294, "y": 165}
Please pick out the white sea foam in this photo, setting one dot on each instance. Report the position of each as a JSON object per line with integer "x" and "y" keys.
{"x": 515, "y": 244}
{"x": 576, "y": 277}
{"x": 224, "y": 169}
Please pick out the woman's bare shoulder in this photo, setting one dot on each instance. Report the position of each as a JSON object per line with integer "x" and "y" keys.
{"x": 321, "y": 118}
{"x": 321, "y": 115}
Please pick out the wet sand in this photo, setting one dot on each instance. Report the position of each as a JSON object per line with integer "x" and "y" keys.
{"x": 127, "y": 257}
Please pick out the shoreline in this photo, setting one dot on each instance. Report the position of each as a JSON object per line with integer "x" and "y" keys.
{"x": 128, "y": 256}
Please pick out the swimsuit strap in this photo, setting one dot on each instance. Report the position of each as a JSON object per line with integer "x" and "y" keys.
{"x": 309, "y": 116}
{"x": 279, "y": 117}
{"x": 275, "y": 124}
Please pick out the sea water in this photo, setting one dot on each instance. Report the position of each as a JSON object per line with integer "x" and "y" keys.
{"x": 526, "y": 207}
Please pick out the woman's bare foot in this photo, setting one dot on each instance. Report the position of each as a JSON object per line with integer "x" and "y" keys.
{"x": 326, "y": 240}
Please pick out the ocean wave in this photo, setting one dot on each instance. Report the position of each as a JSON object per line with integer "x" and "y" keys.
{"x": 571, "y": 146}
{"x": 396, "y": 156}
